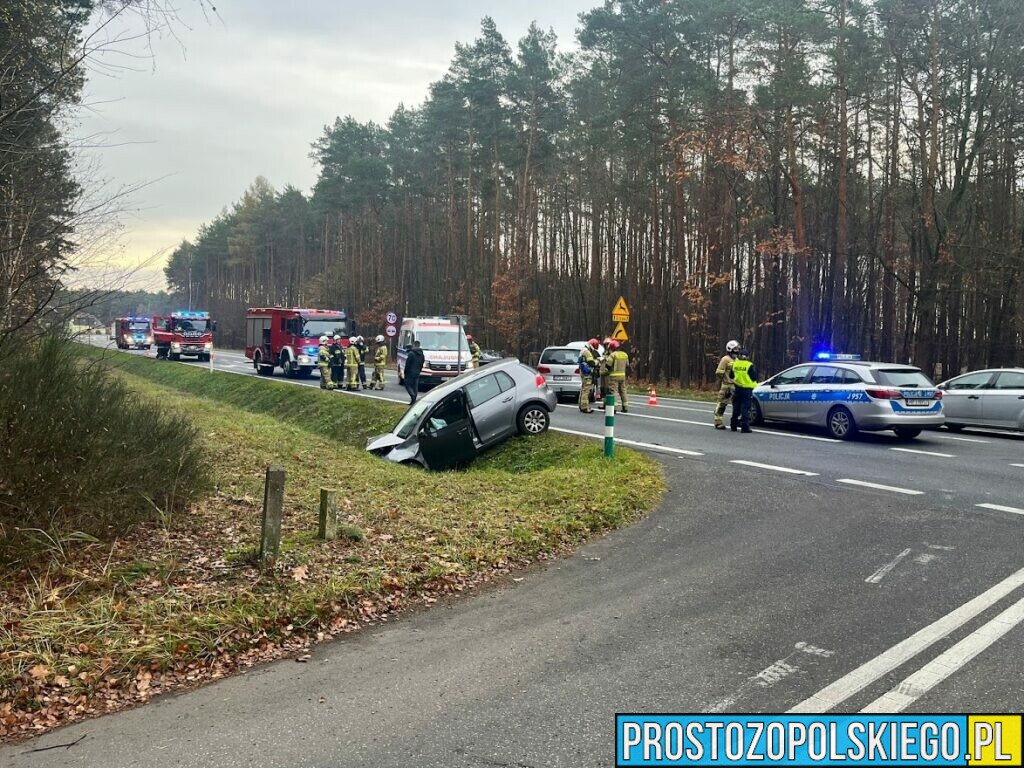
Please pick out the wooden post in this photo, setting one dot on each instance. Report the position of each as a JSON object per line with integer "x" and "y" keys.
{"x": 328, "y": 514}
{"x": 273, "y": 512}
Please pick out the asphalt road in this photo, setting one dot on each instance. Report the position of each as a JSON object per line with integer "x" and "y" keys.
{"x": 749, "y": 589}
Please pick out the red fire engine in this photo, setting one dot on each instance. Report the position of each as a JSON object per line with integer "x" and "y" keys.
{"x": 184, "y": 333}
{"x": 288, "y": 338}
{"x": 132, "y": 333}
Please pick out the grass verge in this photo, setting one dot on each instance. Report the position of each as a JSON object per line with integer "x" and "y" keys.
{"x": 177, "y": 601}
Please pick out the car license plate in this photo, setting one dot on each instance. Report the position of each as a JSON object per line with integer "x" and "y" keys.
{"x": 562, "y": 378}
{"x": 919, "y": 401}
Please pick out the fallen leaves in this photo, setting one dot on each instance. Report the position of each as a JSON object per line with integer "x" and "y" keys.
{"x": 300, "y": 573}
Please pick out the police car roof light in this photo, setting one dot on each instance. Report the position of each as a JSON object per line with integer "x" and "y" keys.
{"x": 825, "y": 355}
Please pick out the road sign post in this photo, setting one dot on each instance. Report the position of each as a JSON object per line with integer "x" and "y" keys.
{"x": 609, "y": 426}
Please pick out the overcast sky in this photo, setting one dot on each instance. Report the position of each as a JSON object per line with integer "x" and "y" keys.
{"x": 244, "y": 92}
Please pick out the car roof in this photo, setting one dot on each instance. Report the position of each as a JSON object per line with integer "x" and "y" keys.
{"x": 462, "y": 379}
{"x": 988, "y": 370}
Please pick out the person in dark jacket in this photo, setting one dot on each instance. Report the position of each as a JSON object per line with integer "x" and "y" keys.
{"x": 337, "y": 353}
{"x": 361, "y": 352}
{"x": 411, "y": 374}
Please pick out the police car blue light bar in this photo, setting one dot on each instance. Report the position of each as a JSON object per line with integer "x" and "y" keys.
{"x": 825, "y": 355}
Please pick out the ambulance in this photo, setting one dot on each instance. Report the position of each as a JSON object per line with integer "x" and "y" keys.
{"x": 440, "y": 339}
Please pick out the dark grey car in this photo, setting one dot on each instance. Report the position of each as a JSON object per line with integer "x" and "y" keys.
{"x": 990, "y": 398}
{"x": 469, "y": 414}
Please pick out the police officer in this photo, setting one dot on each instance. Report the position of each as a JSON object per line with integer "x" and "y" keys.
{"x": 337, "y": 362}
{"x": 744, "y": 377}
{"x": 617, "y": 365}
{"x": 588, "y": 362}
{"x": 724, "y": 375}
{"x": 352, "y": 364}
{"x": 474, "y": 349}
{"x": 380, "y": 361}
{"x": 323, "y": 362}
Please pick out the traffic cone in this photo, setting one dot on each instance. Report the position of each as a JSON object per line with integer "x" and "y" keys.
{"x": 652, "y": 397}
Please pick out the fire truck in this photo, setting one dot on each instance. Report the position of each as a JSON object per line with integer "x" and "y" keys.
{"x": 132, "y": 333}
{"x": 287, "y": 338}
{"x": 184, "y": 333}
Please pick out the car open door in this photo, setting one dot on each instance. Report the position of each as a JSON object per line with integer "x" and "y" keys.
{"x": 446, "y": 435}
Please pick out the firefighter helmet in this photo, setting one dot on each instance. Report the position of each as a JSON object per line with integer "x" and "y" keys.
{"x": 323, "y": 339}
{"x": 613, "y": 344}
{"x": 732, "y": 346}
{"x": 594, "y": 343}
{"x": 379, "y": 339}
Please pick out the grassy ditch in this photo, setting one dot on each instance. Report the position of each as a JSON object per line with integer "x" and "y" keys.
{"x": 101, "y": 625}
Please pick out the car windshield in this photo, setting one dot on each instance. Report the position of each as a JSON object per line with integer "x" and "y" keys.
{"x": 139, "y": 326}
{"x": 442, "y": 341}
{"x": 407, "y": 424}
{"x": 191, "y": 324}
{"x": 314, "y": 328}
{"x": 559, "y": 357}
{"x": 904, "y": 378}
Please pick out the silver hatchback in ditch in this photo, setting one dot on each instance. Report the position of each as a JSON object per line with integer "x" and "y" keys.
{"x": 850, "y": 396}
{"x": 469, "y": 414}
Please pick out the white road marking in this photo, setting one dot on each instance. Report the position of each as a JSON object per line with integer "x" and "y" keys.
{"x": 772, "y": 674}
{"x": 885, "y": 570}
{"x": 1001, "y": 508}
{"x": 788, "y": 470}
{"x": 853, "y": 682}
{"x": 961, "y": 439}
{"x": 707, "y": 424}
{"x": 924, "y": 453}
{"x": 634, "y": 443}
{"x": 944, "y": 665}
{"x": 1017, "y": 465}
{"x": 880, "y": 487}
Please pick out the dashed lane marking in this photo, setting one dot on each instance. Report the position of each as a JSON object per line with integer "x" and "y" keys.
{"x": 954, "y": 437}
{"x": 629, "y": 415}
{"x": 787, "y": 470}
{"x": 1017, "y": 465}
{"x": 924, "y": 453}
{"x": 948, "y": 662}
{"x": 1002, "y": 508}
{"x": 885, "y": 570}
{"x": 880, "y": 487}
{"x": 860, "y": 678}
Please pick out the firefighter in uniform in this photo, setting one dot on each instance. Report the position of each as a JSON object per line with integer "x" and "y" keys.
{"x": 337, "y": 353}
{"x": 588, "y": 363}
{"x": 744, "y": 377}
{"x": 380, "y": 360}
{"x": 474, "y": 349}
{"x": 323, "y": 362}
{"x": 361, "y": 350}
{"x": 617, "y": 364}
{"x": 724, "y": 375}
{"x": 604, "y": 388}
{"x": 352, "y": 363}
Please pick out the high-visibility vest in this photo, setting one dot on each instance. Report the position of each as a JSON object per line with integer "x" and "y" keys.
{"x": 323, "y": 356}
{"x": 741, "y": 374}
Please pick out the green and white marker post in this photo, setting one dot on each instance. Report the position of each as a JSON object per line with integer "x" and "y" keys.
{"x": 609, "y": 426}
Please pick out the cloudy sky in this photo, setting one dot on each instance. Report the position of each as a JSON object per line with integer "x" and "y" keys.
{"x": 243, "y": 92}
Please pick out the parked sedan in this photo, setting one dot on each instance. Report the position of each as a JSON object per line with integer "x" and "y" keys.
{"x": 991, "y": 398}
{"x": 559, "y": 365}
{"x": 469, "y": 414}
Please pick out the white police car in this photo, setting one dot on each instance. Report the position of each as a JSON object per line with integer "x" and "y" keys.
{"x": 846, "y": 395}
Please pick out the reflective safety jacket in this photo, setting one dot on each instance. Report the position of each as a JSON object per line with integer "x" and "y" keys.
{"x": 337, "y": 355}
{"x": 618, "y": 362}
{"x": 588, "y": 361}
{"x": 352, "y": 356}
{"x": 474, "y": 350}
{"x": 724, "y": 370}
{"x": 381, "y": 357}
{"x": 741, "y": 370}
{"x": 323, "y": 356}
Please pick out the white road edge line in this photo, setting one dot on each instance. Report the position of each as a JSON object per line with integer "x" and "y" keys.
{"x": 1002, "y": 508}
{"x": 788, "y": 470}
{"x": 885, "y": 570}
{"x": 853, "y": 682}
{"x": 924, "y": 453}
{"x": 1017, "y": 465}
{"x": 634, "y": 443}
{"x": 948, "y": 662}
{"x": 880, "y": 487}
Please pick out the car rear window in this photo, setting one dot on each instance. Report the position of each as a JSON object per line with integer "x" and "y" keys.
{"x": 909, "y": 378}
{"x": 559, "y": 357}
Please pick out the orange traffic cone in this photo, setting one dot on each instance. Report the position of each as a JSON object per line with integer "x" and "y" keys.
{"x": 652, "y": 397}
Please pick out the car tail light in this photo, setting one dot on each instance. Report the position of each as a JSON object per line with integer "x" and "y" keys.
{"x": 577, "y": 370}
{"x": 541, "y": 382}
{"x": 884, "y": 394}
{"x": 544, "y": 369}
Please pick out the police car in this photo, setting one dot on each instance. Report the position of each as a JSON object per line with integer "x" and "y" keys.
{"x": 846, "y": 395}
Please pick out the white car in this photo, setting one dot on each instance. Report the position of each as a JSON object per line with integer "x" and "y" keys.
{"x": 989, "y": 398}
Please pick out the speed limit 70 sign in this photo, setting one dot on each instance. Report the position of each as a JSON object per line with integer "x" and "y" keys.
{"x": 391, "y": 318}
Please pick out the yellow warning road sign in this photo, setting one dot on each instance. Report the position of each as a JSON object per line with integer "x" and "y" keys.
{"x": 619, "y": 334}
{"x": 620, "y": 313}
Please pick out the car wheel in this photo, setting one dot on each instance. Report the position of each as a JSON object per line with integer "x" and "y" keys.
{"x": 907, "y": 433}
{"x": 533, "y": 419}
{"x": 756, "y": 416}
{"x": 841, "y": 424}
{"x": 955, "y": 427}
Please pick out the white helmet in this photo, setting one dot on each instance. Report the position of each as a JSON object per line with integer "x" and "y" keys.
{"x": 732, "y": 346}
{"x": 337, "y": 337}
{"x": 379, "y": 339}
{"x": 323, "y": 339}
